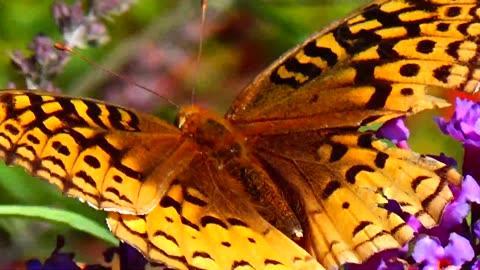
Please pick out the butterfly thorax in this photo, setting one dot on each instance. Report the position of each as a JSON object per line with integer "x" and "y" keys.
{"x": 212, "y": 134}
{"x": 222, "y": 145}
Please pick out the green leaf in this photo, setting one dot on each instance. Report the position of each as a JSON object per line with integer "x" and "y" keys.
{"x": 71, "y": 219}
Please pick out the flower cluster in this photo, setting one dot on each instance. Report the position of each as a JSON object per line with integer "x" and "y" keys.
{"x": 122, "y": 257}
{"x": 80, "y": 25}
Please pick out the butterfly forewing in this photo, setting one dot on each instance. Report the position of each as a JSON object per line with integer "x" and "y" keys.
{"x": 377, "y": 64}
{"x": 102, "y": 154}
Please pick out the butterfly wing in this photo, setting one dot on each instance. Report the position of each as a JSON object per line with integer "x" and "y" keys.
{"x": 302, "y": 113}
{"x": 344, "y": 183}
{"x": 204, "y": 221}
{"x": 105, "y": 155}
{"x": 377, "y": 64}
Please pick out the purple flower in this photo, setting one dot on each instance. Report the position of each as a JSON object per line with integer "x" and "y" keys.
{"x": 78, "y": 29}
{"x": 121, "y": 257}
{"x": 454, "y": 214}
{"x": 83, "y": 28}
{"x": 469, "y": 191}
{"x": 396, "y": 131}
{"x": 471, "y": 161}
{"x": 476, "y": 228}
{"x": 465, "y": 123}
{"x": 394, "y": 207}
{"x": 106, "y": 8}
{"x": 128, "y": 257}
{"x": 433, "y": 255}
{"x": 57, "y": 260}
{"x": 465, "y": 127}
{"x": 387, "y": 259}
{"x": 44, "y": 63}
{"x": 449, "y": 161}
{"x": 458, "y": 209}
{"x": 476, "y": 265}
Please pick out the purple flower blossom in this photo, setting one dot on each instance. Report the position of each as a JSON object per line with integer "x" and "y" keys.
{"x": 454, "y": 214}
{"x": 128, "y": 257}
{"x": 469, "y": 191}
{"x": 57, "y": 260}
{"x": 476, "y": 228}
{"x": 449, "y": 161}
{"x": 433, "y": 255}
{"x": 465, "y": 127}
{"x": 458, "y": 209}
{"x": 77, "y": 28}
{"x": 80, "y": 28}
{"x": 465, "y": 123}
{"x": 471, "y": 161}
{"x": 44, "y": 63}
{"x": 121, "y": 257}
{"x": 396, "y": 131}
{"x": 387, "y": 259}
{"x": 476, "y": 265}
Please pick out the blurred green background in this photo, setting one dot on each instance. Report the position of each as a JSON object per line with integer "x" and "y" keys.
{"x": 155, "y": 44}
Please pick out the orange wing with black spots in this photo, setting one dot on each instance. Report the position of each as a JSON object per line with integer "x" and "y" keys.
{"x": 102, "y": 154}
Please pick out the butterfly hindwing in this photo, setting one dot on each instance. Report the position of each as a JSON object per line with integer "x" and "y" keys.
{"x": 345, "y": 182}
{"x": 201, "y": 220}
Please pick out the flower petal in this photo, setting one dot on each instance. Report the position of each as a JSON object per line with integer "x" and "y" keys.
{"x": 458, "y": 250}
{"x": 427, "y": 250}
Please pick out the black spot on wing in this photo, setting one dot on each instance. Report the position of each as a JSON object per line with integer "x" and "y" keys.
{"x": 61, "y": 148}
{"x": 360, "y": 227}
{"x": 206, "y": 220}
{"x": 92, "y": 161}
{"x": 194, "y": 200}
{"x": 190, "y": 224}
{"x": 88, "y": 179}
{"x": 351, "y": 173}
{"x": 381, "y": 159}
{"x": 163, "y": 234}
{"x": 12, "y": 129}
{"x": 338, "y": 151}
{"x": 417, "y": 181}
{"x": 241, "y": 263}
{"x": 168, "y": 201}
{"x": 330, "y": 189}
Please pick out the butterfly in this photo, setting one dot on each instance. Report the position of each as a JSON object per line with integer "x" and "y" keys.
{"x": 284, "y": 180}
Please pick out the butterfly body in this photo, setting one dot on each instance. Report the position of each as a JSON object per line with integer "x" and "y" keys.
{"x": 217, "y": 141}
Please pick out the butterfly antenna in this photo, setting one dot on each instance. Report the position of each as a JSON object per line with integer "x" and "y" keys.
{"x": 204, "y": 4}
{"x": 62, "y": 47}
